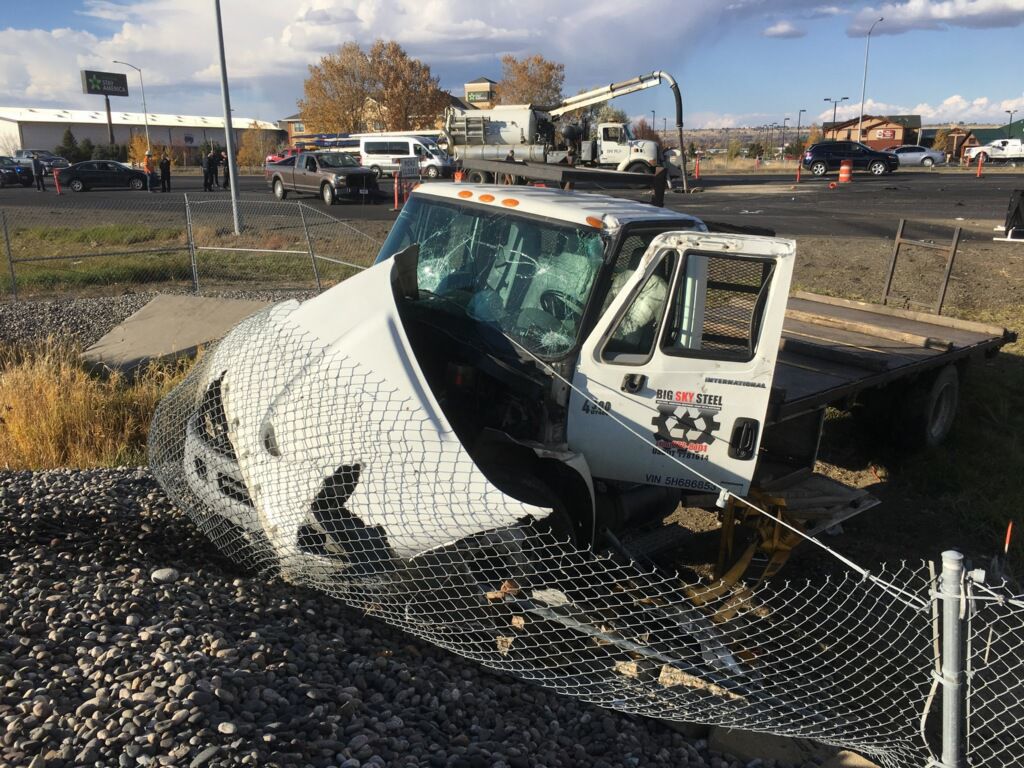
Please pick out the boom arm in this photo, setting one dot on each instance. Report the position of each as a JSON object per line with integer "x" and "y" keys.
{"x": 606, "y": 93}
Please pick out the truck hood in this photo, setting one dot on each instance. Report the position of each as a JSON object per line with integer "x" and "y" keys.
{"x": 330, "y": 426}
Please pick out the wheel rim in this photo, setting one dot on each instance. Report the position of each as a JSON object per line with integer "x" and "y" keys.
{"x": 377, "y": 171}
{"x": 278, "y": 189}
{"x": 941, "y": 417}
{"x": 76, "y": 186}
{"x": 432, "y": 172}
{"x": 328, "y": 195}
{"x": 878, "y": 169}
{"x": 928, "y": 162}
{"x": 818, "y": 169}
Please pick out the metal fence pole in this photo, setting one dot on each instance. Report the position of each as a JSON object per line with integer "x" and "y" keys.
{"x": 10, "y": 256}
{"x": 191, "y": 246}
{"x": 952, "y": 661}
{"x": 309, "y": 245}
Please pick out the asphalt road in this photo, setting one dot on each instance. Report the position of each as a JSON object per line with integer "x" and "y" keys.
{"x": 870, "y": 206}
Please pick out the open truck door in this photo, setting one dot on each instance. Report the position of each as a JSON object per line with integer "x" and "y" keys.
{"x": 684, "y": 355}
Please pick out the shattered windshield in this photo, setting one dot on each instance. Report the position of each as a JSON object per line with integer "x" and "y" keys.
{"x": 529, "y": 277}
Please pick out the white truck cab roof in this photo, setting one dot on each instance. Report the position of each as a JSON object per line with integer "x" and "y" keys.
{"x": 576, "y": 207}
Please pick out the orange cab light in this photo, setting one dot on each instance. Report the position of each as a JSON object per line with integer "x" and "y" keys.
{"x": 594, "y": 222}
{"x": 487, "y": 198}
{"x": 511, "y": 202}
{"x": 465, "y": 193}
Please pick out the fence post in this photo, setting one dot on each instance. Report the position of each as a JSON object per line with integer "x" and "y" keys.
{"x": 10, "y": 256}
{"x": 191, "y": 246}
{"x": 309, "y": 245}
{"x": 952, "y": 661}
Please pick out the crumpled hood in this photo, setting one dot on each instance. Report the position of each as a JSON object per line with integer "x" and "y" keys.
{"x": 333, "y": 424}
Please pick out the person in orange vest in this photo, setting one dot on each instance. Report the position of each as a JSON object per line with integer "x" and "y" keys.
{"x": 147, "y": 166}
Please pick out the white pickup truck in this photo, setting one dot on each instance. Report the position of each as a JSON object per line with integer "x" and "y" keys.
{"x": 1000, "y": 149}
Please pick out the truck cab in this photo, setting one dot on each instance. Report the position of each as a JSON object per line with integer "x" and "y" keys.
{"x": 1000, "y": 149}
{"x": 618, "y": 148}
{"x": 545, "y": 323}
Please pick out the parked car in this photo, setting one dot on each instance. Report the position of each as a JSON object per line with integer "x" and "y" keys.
{"x": 915, "y": 154}
{"x": 827, "y": 156}
{"x": 12, "y": 173}
{"x": 49, "y": 160}
{"x": 1000, "y": 149}
{"x": 328, "y": 174}
{"x": 100, "y": 173}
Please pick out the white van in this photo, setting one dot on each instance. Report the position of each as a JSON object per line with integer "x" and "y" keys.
{"x": 383, "y": 154}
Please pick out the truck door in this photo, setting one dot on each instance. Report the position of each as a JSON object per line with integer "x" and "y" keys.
{"x": 684, "y": 355}
{"x": 307, "y": 177}
{"x": 613, "y": 146}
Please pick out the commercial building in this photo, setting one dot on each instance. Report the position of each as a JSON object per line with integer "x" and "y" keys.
{"x": 34, "y": 128}
{"x": 878, "y": 132}
{"x": 481, "y": 93}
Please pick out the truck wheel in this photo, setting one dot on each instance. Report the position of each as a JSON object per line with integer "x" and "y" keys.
{"x": 639, "y": 168}
{"x": 478, "y": 177}
{"x": 930, "y": 408}
{"x": 818, "y": 168}
{"x": 279, "y": 191}
{"x": 327, "y": 194}
{"x": 432, "y": 172}
{"x": 877, "y": 168}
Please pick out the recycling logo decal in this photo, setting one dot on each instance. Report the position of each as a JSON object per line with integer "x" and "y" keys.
{"x": 676, "y": 422}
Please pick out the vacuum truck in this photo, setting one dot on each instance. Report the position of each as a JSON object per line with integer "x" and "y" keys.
{"x": 549, "y": 134}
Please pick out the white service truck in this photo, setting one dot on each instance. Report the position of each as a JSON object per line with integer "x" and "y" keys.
{"x": 998, "y": 150}
{"x": 543, "y": 134}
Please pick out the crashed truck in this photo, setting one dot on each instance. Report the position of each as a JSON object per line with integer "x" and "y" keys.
{"x": 525, "y": 364}
{"x": 543, "y": 134}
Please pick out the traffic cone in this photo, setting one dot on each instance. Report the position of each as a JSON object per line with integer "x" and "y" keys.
{"x": 846, "y": 172}
{"x": 696, "y": 168}
{"x": 457, "y": 177}
{"x": 981, "y": 162}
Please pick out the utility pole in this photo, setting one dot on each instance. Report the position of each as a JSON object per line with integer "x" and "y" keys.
{"x": 864, "y": 82}
{"x": 1009, "y": 123}
{"x": 798, "y": 116}
{"x": 782, "y": 141}
{"x": 229, "y": 138}
{"x": 145, "y": 109}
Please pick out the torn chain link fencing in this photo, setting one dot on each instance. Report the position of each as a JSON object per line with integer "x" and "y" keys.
{"x": 300, "y": 462}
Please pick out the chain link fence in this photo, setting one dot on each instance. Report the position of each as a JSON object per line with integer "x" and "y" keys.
{"x": 70, "y": 247}
{"x": 299, "y": 461}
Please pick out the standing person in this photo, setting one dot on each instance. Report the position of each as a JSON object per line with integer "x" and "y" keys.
{"x": 165, "y": 173}
{"x": 37, "y": 171}
{"x": 204, "y": 163}
{"x": 227, "y": 170}
{"x": 214, "y": 162}
{"x": 147, "y": 166}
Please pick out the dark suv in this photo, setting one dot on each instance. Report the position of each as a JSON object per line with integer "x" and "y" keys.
{"x": 819, "y": 159}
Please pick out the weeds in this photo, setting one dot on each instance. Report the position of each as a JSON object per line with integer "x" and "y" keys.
{"x": 54, "y": 413}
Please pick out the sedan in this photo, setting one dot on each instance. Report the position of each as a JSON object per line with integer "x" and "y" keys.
{"x": 100, "y": 173}
{"x": 914, "y": 154}
{"x": 12, "y": 173}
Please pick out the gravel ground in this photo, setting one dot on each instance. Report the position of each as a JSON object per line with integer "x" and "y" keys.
{"x": 126, "y": 639}
{"x": 85, "y": 320}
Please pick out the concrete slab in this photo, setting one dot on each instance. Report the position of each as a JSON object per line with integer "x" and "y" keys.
{"x": 168, "y": 327}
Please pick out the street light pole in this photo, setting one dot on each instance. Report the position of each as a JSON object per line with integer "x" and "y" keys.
{"x": 798, "y": 116}
{"x": 835, "y": 106}
{"x": 145, "y": 109}
{"x": 229, "y": 139}
{"x": 1009, "y": 123}
{"x": 782, "y": 140}
{"x": 864, "y": 82}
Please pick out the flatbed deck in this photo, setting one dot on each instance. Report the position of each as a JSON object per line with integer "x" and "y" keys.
{"x": 833, "y": 348}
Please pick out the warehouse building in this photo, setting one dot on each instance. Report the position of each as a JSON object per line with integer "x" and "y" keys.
{"x": 33, "y": 128}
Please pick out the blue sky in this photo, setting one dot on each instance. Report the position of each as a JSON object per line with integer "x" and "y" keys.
{"x": 740, "y": 62}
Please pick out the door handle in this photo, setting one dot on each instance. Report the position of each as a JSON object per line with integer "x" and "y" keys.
{"x": 633, "y": 383}
{"x": 744, "y": 438}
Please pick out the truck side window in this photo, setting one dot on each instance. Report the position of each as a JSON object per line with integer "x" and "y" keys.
{"x": 632, "y": 341}
{"x": 612, "y": 133}
{"x": 717, "y": 307}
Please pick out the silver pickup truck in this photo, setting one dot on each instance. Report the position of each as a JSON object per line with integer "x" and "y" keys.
{"x": 331, "y": 175}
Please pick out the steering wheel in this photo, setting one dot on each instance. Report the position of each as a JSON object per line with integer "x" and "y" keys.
{"x": 559, "y": 305}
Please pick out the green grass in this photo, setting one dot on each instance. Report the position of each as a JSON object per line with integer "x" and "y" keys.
{"x": 97, "y": 235}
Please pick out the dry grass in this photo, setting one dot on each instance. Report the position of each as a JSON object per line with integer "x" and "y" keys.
{"x": 54, "y": 413}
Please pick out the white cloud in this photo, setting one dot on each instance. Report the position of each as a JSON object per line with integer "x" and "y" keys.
{"x": 784, "y": 29}
{"x": 953, "y": 109}
{"x": 938, "y": 14}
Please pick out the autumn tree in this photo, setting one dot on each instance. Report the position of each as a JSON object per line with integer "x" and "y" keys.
{"x": 254, "y": 147}
{"x": 347, "y": 88}
{"x": 813, "y": 135}
{"x": 941, "y": 140}
{"x": 643, "y": 130}
{"x": 532, "y": 80}
{"x": 405, "y": 92}
{"x": 336, "y": 91}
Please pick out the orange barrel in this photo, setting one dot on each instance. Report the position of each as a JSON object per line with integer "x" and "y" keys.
{"x": 457, "y": 177}
{"x": 846, "y": 172}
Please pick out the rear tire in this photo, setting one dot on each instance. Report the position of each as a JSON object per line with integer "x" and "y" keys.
{"x": 927, "y": 162}
{"x": 76, "y": 185}
{"x": 377, "y": 172}
{"x": 432, "y": 172}
{"x": 929, "y": 409}
{"x": 478, "y": 177}
{"x": 818, "y": 168}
